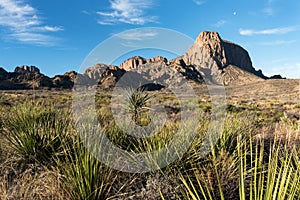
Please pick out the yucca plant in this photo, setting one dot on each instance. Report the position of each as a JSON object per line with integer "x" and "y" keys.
{"x": 36, "y": 133}
{"x": 252, "y": 168}
{"x": 273, "y": 175}
{"x": 138, "y": 100}
{"x": 82, "y": 175}
{"x": 216, "y": 179}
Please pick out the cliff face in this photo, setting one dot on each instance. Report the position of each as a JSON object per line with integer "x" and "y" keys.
{"x": 210, "y": 51}
{"x": 211, "y": 56}
{"x": 238, "y": 56}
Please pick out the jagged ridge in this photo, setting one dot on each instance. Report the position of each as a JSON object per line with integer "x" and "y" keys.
{"x": 208, "y": 56}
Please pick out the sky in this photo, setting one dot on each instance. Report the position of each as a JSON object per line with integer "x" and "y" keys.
{"x": 57, "y": 35}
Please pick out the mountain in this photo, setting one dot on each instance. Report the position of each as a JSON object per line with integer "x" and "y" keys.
{"x": 215, "y": 57}
{"x": 30, "y": 77}
{"x": 209, "y": 59}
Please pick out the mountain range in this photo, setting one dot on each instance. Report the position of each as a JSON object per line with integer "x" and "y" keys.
{"x": 209, "y": 56}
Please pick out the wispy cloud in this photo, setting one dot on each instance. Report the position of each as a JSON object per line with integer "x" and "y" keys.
{"x": 277, "y": 42}
{"x": 137, "y": 35}
{"x": 24, "y": 24}
{"x": 280, "y": 30}
{"x": 268, "y": 11}
{"x": 127, "y": 11}
{"x": 199, "y": 2}
{"x": 85, "y": 12}
{"x": 134, "y": 38}
{"x": 220, "y": 23}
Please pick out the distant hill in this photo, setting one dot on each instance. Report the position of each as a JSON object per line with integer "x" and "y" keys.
{"x": 209, "y": 59}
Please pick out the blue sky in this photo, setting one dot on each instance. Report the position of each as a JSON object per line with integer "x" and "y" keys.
{"x": 57, "y": 35}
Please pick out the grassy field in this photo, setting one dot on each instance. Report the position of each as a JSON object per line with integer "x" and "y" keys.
{"x": 257, "y": 155}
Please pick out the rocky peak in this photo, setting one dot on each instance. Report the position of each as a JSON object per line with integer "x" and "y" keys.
{"x": 211, "y": 42}
{"x": 95, "y": 71}
{"x": 27, "y": 69}
{"x": 212, "y": 54}
{"x": 134, "y": 62}
{"x": 208, "y": 37}
{"x": 72, "y": 75}
{"x": 157, "y": 59}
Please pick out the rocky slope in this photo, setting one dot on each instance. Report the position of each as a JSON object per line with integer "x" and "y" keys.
{"x": 209, "y": 59}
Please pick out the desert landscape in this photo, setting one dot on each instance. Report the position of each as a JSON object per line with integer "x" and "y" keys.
{"x": 255, "y": 156}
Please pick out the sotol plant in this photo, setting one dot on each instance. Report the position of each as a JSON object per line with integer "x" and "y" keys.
{"x": 36, "y": 133}
{"x": 138, "y": 100}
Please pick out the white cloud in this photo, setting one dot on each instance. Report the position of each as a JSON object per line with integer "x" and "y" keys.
{"x": 33, "y": 38}
{"x": 282, "y": 30}
{"x": 199, "y": 2}
{"x": 137, "y": 35}
{"x": 127, "y": 11}
{"x": 277, "y": 42}
{"x": 46, "y": 29}
{"x": 220, "y": 23}
{"x": 24, "y": 24}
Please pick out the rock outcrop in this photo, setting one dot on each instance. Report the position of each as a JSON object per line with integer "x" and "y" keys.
{"x": 27, "y": 69}
{"x": 95, "y": 71}
{"x": 134, "y": 62}
{"x": 209, "y": 47}
{"x": 188, "y": 71}
{"x": 65, "y": 81}
{"x": 211, "y": 55}
{"x": 111, "y": 76}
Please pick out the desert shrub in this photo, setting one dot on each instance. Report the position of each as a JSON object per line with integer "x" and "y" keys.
{"x": 217, "y": 179}
{"x": 82, "y": 175}
{"x": 260, "y": 169}
{"x": 240, "y": 166}
{"x": 35, "y": 133}
{"x": 274, "y": 175}
{"x": 233, "y": 108}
